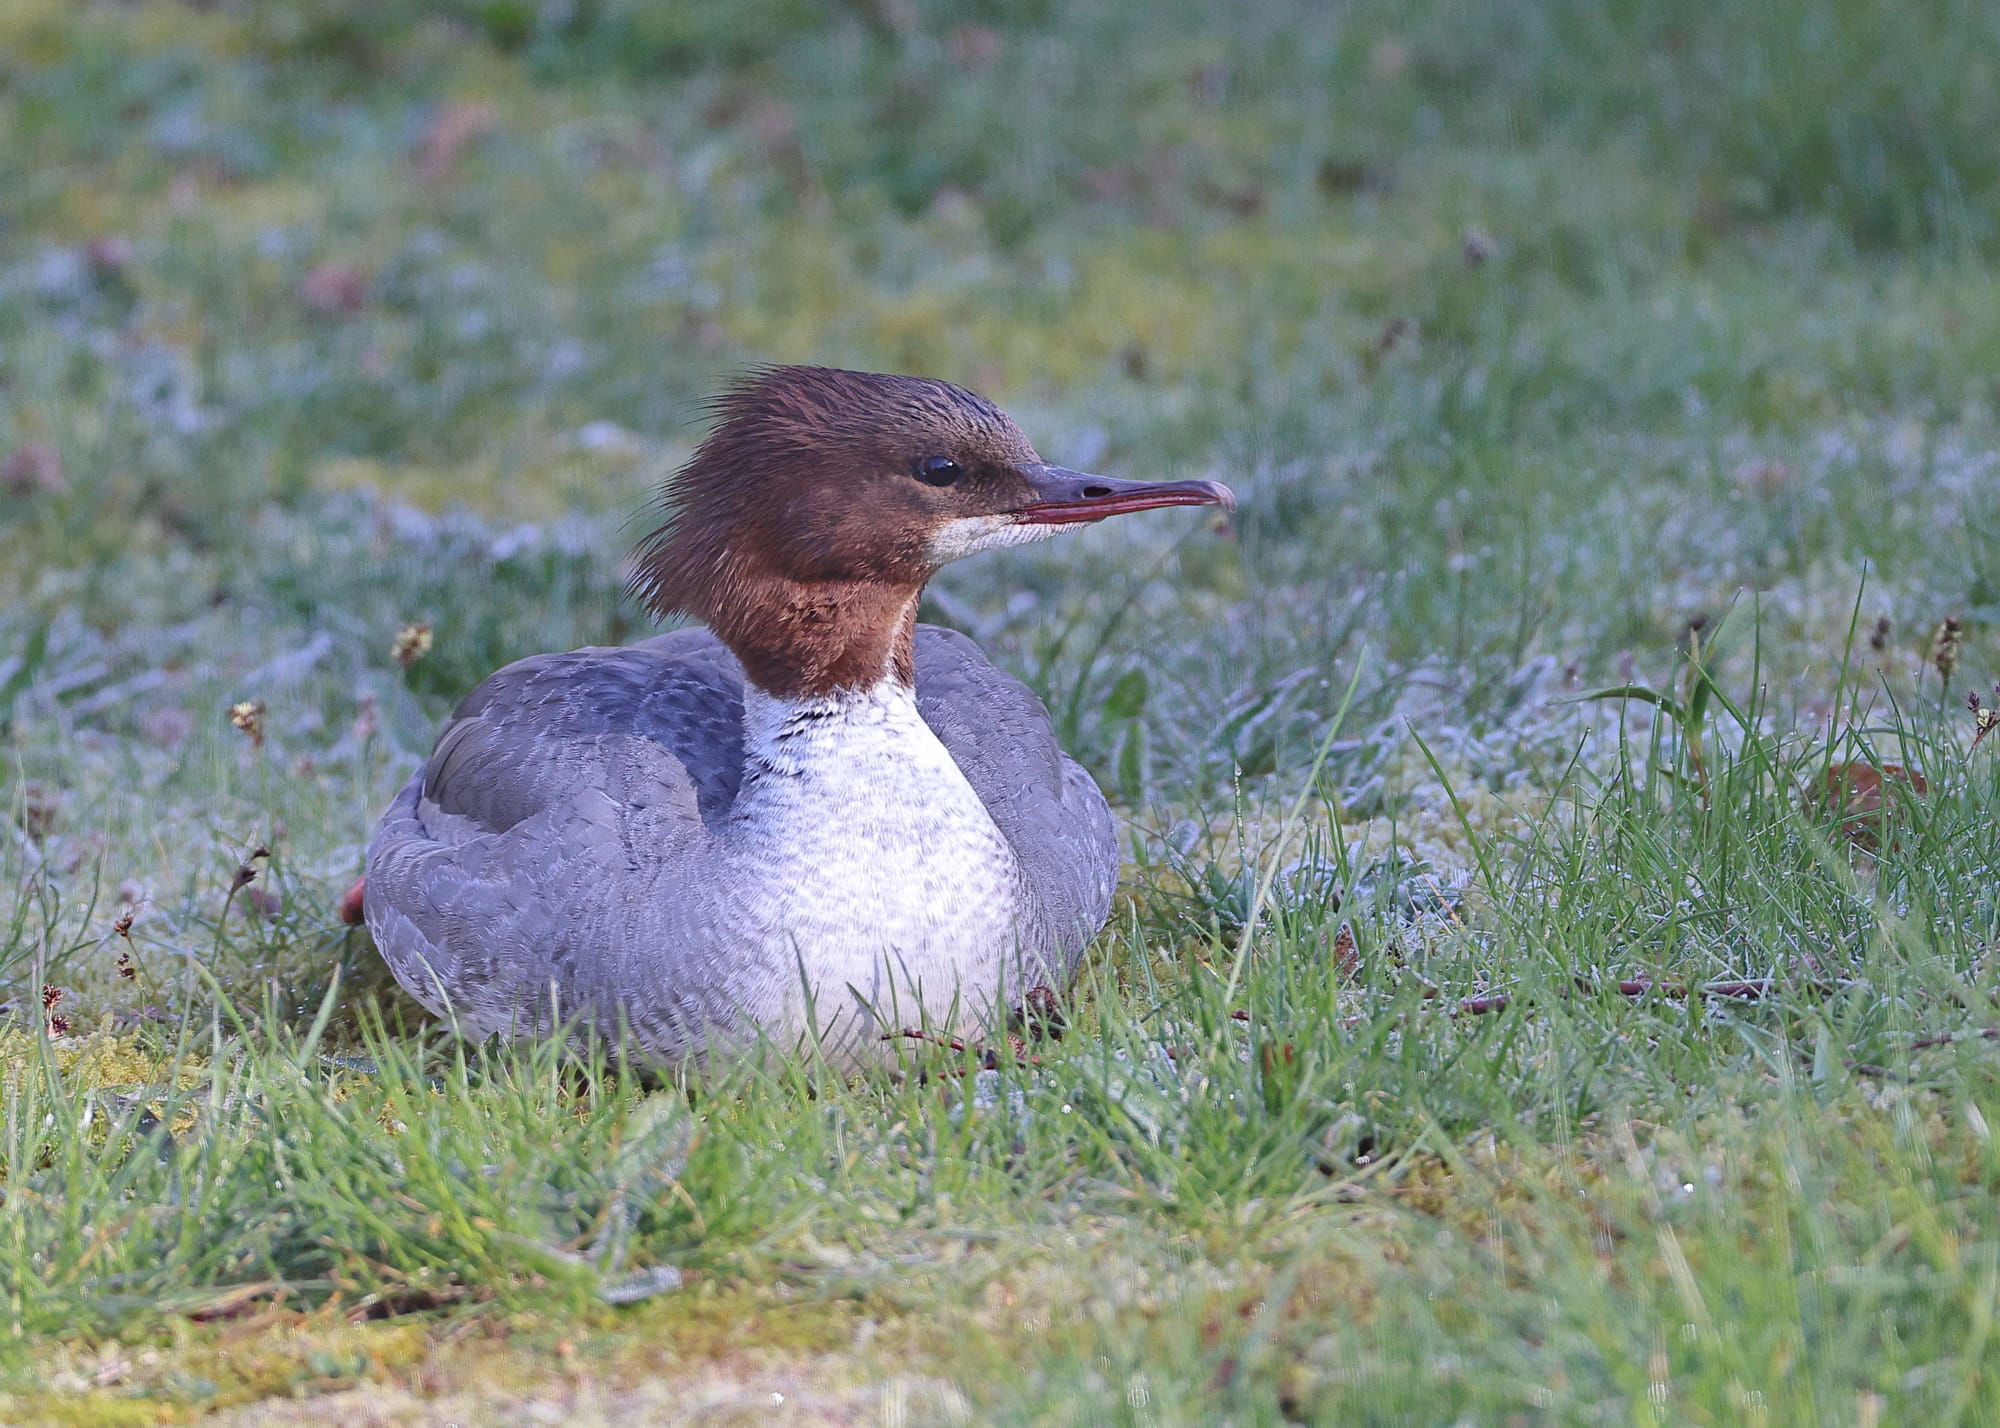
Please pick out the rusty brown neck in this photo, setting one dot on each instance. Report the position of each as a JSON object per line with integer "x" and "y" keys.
{"x": 800, "y": 640}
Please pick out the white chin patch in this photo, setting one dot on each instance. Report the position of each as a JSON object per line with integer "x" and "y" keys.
{"x": 968, "y": 535}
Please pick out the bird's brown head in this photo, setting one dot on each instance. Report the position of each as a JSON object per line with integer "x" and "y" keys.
{"x": 805, "y": 526}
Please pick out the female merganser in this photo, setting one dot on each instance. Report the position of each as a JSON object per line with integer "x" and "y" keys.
{"x": 814, "y": 818}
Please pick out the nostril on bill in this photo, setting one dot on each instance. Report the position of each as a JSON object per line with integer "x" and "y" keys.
{"x": 1093, "y": 492}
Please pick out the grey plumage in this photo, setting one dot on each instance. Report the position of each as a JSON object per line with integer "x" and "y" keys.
{"x": 577, "y": 846}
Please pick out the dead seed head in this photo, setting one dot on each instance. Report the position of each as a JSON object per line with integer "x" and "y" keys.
{"x": 413, "y": 642}
{"x": 248, "y": 717}
{"x": 1043, "y": 1014}
{"x": 1346, "y": 956}
{"x": 39, "y": 807}
{"x": 1395, "y": 332}
{"x": 1985, "y": 718}
{"x": 1945, "y": 645}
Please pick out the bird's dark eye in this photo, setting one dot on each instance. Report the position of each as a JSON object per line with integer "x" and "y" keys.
{"x": 937, "y": 471}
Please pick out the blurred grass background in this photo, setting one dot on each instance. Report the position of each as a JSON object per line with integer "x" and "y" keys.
{"x": 1533, "y": 335}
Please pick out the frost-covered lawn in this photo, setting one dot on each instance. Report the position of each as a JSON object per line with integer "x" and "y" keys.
{"x": 1465, "y": 1049}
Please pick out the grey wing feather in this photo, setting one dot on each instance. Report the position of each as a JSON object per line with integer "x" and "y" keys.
{"x": 1043, "y": 802}
{"x": 525, "y": 737}
{"x": 508, "y": 861}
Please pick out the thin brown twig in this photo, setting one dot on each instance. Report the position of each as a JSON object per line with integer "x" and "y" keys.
{"x": 1946, "y": 1038}
{"x": 1749, "y": 991}
{"x": 1756, "y": 989}
{"x": 989, "y": 1059}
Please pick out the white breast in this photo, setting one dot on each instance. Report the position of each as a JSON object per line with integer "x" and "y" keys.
{"x": 868, "y": 860}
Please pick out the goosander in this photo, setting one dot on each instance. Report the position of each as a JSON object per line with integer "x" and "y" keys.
{"x": 815, "y": 819}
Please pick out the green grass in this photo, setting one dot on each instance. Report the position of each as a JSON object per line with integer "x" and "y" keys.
{"x": 1530, "y": 335}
